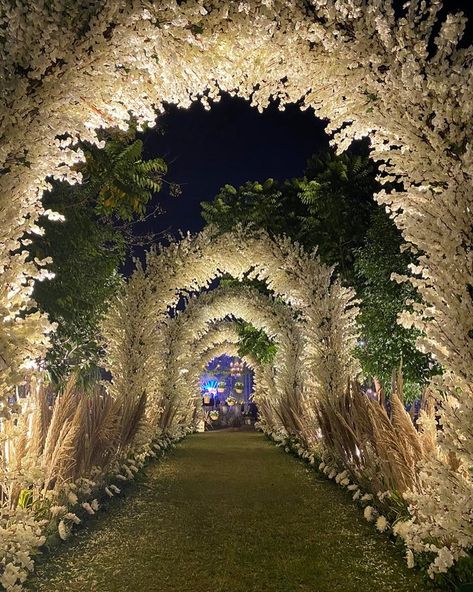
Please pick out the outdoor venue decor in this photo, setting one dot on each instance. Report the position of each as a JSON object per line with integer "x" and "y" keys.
{"x": 222, "y": 337}
{"x": 238, "y": 302}
{"x": 140, "y": 335}
{"x": 369, "y": 72}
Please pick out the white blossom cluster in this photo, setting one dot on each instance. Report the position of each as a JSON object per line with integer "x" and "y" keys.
{"x": 443, "y": 508}
{"x": 22, "y": 533}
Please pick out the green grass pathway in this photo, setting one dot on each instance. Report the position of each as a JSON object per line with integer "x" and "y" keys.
{"x": 228, "y": 512}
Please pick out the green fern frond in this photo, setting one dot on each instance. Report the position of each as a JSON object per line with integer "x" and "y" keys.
{"x": 122, "y": 180}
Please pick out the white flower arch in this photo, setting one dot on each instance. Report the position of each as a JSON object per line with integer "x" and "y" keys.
{"x": 137, "y": 324}
{"x": 357, "y": 64}
{"x": 223, "y": 338}
{"x": 204, "y": 314}
{"x": 225, "y": 331}
{"x": 220, "y": 334}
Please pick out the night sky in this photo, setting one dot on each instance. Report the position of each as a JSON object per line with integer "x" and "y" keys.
{"x": 232, "y": 143}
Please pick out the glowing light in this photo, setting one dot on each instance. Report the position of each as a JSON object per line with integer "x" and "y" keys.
{"x": 236, "y": 367}
{"x": 210, "y": 385}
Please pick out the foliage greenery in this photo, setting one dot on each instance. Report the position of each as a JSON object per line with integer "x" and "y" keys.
{"x": 255, "y": 342}
{"x": 120, "y": 181}
{"x": 271, "y": 205}
{"x": 86, "y": 254}
{"x": 88, "y": 248}
{"x": 386, "y": 343}
{"x": 338, "y": 193}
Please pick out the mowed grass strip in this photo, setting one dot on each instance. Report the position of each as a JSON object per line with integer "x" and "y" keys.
{"x": 228, "y": 512}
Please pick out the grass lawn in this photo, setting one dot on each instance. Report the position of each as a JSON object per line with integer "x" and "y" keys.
{"x": 228, "y": 512}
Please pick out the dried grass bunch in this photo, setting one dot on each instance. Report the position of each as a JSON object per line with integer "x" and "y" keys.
{"x": 62, "y": 436}
{"x": 381, "y": 451}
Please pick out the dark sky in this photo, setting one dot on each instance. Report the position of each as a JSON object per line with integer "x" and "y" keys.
{"x": 233, "y": 143}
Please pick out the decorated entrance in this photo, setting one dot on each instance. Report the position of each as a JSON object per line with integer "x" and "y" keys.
{"x": 397, "y": 76}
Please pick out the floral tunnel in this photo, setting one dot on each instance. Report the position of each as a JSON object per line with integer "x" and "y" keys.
{"x": 234, "y": 47}
{"x": 223, "y": 338}
{"x": 201, "y": 319}
{"x": 139, "y": 326}
{"x": 395, "y": 82}
{"x": 139, "y": 332}
{"x": 60, "y": 459}
{"x": 218, "y": 345}
{"x": 258, "y": 33}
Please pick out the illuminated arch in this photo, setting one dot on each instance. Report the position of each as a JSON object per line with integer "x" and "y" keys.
{"x": 138, "y": 322}
{"x": 203, "y": 318}
{"x": 218, "y": 332}
{"x": 357, "y": 64}
{"x": 223, "y": 338}
{"x": 375, "y": 77}
{"x": 263, "y": 382}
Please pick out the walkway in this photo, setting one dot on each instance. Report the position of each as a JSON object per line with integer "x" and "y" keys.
{"x": 228, "y": 512}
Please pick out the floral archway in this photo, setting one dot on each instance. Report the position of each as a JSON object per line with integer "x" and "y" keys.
{"x": 138, "y": 322}
{"x": 146, "y": 349}
{"x": 92, "y": 69}
{"x": 222, "y": 338}
{"x": 201, "y": 325}
{"x": 368, "y": 71}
